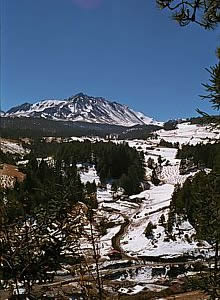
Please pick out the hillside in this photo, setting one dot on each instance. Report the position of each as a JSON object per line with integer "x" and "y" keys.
{"x": 135, "y": 258}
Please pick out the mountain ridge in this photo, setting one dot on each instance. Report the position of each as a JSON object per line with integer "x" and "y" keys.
{"x": 81, "y": 107}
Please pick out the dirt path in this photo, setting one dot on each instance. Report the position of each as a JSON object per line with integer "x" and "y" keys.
{"x": 116, "y": 239}
{"x": 116, "y": 243}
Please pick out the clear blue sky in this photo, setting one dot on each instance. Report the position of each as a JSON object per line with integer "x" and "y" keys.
{"x": 125, "y": 50}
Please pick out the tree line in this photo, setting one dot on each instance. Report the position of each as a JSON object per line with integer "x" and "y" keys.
{"x": 198, "y": 200}
{"x": 207, "y": 155}
{"x": 115, "y": 163}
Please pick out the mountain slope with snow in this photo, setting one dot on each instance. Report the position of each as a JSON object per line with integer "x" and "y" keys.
{"x": 187, "y": 133}
{"x": 83, "y": 108}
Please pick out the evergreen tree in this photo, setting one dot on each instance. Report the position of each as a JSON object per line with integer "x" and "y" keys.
{"x": 154, "y": 177}
{"x": 34, "y": 246}
{"x": 162, "y": 220}
{"x": 199, "y": 201}
{"x": 149, "y": 230}
{"x": 202, "y": 12}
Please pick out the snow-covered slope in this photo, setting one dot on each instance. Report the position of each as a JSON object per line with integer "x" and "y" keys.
{"x": 192, "y": 134}
{"x": 13, "y": 147}
{"x": 83, "y": 108}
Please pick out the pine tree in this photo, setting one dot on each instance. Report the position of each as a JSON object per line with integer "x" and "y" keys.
{"x": 149, "y": 230}
{"x": 162, "y": 220}
{"x": 199, "y": 201}
{"x": 202, "y": 12}
{"x": 154, "y": 178}
{"x": 208, "y": 220}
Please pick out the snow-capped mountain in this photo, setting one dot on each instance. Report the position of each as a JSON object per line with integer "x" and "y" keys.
{"x": 82, "y": 108}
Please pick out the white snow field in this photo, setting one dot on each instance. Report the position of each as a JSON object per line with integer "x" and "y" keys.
{"x": 192, "y": 134}
{"x": 89, "y": 175}
{"x": 12, "y": 147}
{"x": 153, "y": 202}
{"x": 156, "y": 202}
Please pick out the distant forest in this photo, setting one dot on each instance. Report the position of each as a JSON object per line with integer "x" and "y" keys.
{"x": 39, "y": 127}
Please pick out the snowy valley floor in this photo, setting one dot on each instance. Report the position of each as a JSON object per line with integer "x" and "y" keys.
{"x": 144, "y": 262}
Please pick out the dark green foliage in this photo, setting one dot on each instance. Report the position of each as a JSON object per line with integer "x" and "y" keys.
{"x": 150, "y": 163}
{"x": 6, "y": 158}
{"x": 160, "y": 160}
{"x": 204, "y": 120}
{"x": 139, "y": 132}
{"x": 43, "y": 182}
{"x": 42, "y": 204}
{"x": 154, "y": 178}
{"x": 39, "y": 127}
{"x": 29, "y": 213}
{"x": 202, "y": 12}
{"x": 199, "y": 200}
{"x": 120, "y": 163}
{"x": 34, "y": 245}
{"x": 202, "y": 155}
{"x": 162, "y": 220}
{"x": 170, "y": 222}
{"x": 91, "y": 187}
{"x": 170, "y": 125}
{"x": 149, "y": 230}
{"x": 91, "y": 199}
{"x": 213, "y": 88}
{"x": 164, "y": 143}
